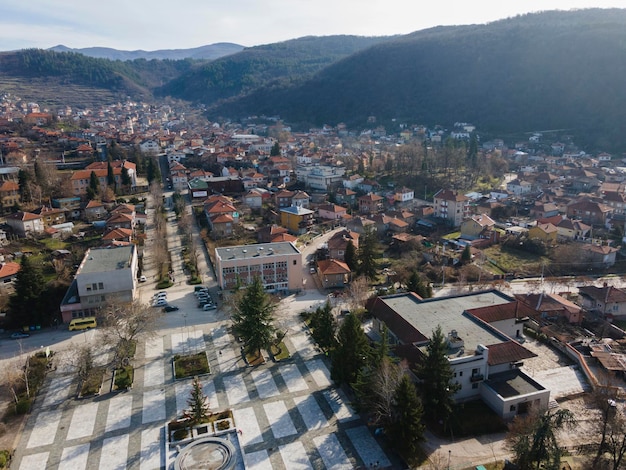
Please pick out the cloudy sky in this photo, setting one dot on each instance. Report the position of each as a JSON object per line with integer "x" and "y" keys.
{"x": 157, "y": 24}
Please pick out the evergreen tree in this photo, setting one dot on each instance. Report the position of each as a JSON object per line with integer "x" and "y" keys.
{"x": 153, "y": 173}
{"x": 368, "y": 252}
{"x": 533, "y": 439}
{"x": 126, "y": 180}
{"x": 94, "y": 183}
{"x": 275, "y": 150}
{"x": 414, "y": 281}
{"x": 253, "y": 317}
{"x": 25, "y": 303}
{"x": 472, "y": 152}
{"x": 406, "y": 429}
{"x": 352, "y": 351}
{"x": 199, "y": 409}
{"x": 350, "y": 257}
{"x": 466, "y": 256}
{"x": 110, "y": 175}
{"x": 324, "y": 326}
{"x": 23, "y": 180}
{"x": 436, "y": 376}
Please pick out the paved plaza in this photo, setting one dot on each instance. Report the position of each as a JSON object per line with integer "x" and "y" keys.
{"x": 289, "y": 415}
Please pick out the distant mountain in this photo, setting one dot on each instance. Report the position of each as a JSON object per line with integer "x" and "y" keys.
{"x": 210, "y": 52}
{"x": 276, "y": 65}
{"x": 549, "y": 70}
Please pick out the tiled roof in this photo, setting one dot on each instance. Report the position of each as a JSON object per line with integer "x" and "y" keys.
{"x": 333, "y": 266}
{"x": 495, "y": 313}
{"x": 508, "y": 352}
{"x": 9, "y": 269}
{"x": 604, "y": 294}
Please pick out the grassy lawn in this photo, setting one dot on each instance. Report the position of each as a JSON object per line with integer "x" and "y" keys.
{"x": 191, "y": 365}
{"x": 279, "y": 352}
{"x": 520, "y": 262}
{"x": 123, "y": 378}
{"x": 452, "y": 236}
{"x": 91, "y": 385}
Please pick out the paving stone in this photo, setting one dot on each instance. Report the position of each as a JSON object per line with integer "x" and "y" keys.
{"x": 154, "y": 374}
{"x": 59, "y": 390}
{"x": 45, "y": 429}
{"x": 340, "y": 409}
{"x": 331, "y": 452}
{"x": 319, "y": 372}
{"x": 119, "y": 413}
{"x": 75, "y": 457}
{"x": 83, "y": 421}
{"x": 279, "y": 419}
{"x": 367, "y": 447}
{"x": 114, "y": 453}
{"x": 295, "y": 457}
{"x": 153, "y": 409}
{"x": 303, "y": 345}
{"x": 264, "y": 382}
{"x": 310, "y": 411}
{"x": 246, "y": 422}
{"x": 236, "y": 390}
{"x": 35, "y": 461}
{"x": 259, "y": 460}
{"x": 154, "y": 348}
{"x": 293, "y": 378}
{"x": 151, "y": 444}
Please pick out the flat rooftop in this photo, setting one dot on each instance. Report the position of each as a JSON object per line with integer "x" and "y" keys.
{"x": 256, "y": 251}
{"x": 99, "y": 260}
{"x": 447, "y": 312}
{"x": 512, "y": 384}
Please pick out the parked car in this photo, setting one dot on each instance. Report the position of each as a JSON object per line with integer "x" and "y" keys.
{"x": 160, "y": 295}
{"x": 19, "y": 335}
{"x": 170, "y": 308}
{"x": 200, "y": 288}
{"x": 143, "y": 278}
{"x": 209, "y": 307}
{"x": 159, "y": 303}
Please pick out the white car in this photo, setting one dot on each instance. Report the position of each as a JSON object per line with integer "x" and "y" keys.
{"x": 143, "y": 278}
{"x": 159, "y": 303}
{"x": 160, "y": 295}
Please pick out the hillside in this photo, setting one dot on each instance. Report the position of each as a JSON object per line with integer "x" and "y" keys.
{"x": 276, "y": 65}
{"x": 538, "y": 71}
{"x": 208, "y": 52}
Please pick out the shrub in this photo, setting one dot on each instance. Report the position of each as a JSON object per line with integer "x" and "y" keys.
{"x": 23, "y": 406}
{"x": 223, "y": 425}
{"x": 181, "y": 434}
{"x": 124, "y": 377}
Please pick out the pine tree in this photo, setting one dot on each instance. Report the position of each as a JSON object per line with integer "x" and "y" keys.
{"x": 436, "y": 375}
{"x": 126, "y": 181}
{"x": 198, "y": 404}
{"x": 414, "y": 281}
{"x": 368, "y": 252}
{"x": 25, "y": 302}
{"x": 275, "y": 150}
{"x": 23, "y": 180}
{"x": 350, "y": 257}
{"x": 406, "y": 429}
{"x": 324, "y": 327}
{"x": 352, "y": 352}
{"x": 253, "y": 318}
{"x": 110, "y": 175}
{"x": 466, "y": 256}
{"x": 94, "y": 183}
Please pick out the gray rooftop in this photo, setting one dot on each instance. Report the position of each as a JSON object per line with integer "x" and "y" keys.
{"x": 255, "y": 251}
{"x": 447, "y": 312}
{"x": 99, "y": 260}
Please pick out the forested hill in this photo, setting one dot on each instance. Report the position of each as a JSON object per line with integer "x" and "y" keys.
{"x": 72, "y": 68}
{"x": 209, "y": 52}
{"x": 537, "y": 71}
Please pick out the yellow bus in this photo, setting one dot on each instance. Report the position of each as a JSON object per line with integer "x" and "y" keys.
{"x": 83, "y": 323}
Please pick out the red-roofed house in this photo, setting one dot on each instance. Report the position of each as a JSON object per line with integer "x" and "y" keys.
{"x": 9, "y": 194}
{"x": 8, "y": 272}
{"x": 451, "y": 206}
{"x": 333, "y": 273}
{"x": 608, "y": 301}
{"x": 25, "y": 223}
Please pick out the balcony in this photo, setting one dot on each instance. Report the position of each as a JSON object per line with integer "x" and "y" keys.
{"x": 477, "y": 378}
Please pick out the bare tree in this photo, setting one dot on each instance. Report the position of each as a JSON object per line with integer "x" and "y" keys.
{"x": 359, "y": 292}
{"x": 384, "y": 383}
{"x": 123, "y": 324}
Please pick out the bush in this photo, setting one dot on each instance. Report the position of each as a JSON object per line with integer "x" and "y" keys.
{"x": 23, "y": 406}
{"x": 193, "y": 364}
{"x": 223, "y": 425}
{"x": 181, "y": 434}
{"x": 5, "y": 458}
{"x": 124, "y": 377}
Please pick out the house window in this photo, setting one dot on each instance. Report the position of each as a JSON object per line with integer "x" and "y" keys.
{"x": 475, "y": 385}
{"x": 461, "y": 374}
{"x": 475, "y": 371}
{"x": 294, "y": 262}
{"x": 512, "y": 408}
{"x": 100, "y": 285}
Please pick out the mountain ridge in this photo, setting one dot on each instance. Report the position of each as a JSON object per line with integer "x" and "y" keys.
{"x": 206, "y": 52}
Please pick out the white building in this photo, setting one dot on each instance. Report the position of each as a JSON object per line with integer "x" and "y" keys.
{"x": 483, "y": 332}
{"x": 320, "y": 177}
{"x": 104, "y": 275}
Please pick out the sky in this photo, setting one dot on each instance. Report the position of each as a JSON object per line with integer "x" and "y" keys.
{"x": 156, "y": 24}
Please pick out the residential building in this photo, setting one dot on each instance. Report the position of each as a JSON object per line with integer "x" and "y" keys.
{"x": 552, "y": 307}
{"x": 480, "y": 330}
{"x": 404, "y": 195}
{"x": 267, "y": 233}
{"x": 572, "y": 229}
{"x": 104, "y": 275}
{"x": 278, "y": 264}
{"x": 253, "y": 199}
{"x": 451, "y": 206}
{"x": 345, "y": 196}
{"x": 95, "y": 210}
{"x": 332, "y": 212}
{"x": 25, "y": 223}
{"x": 320, "y": 177}
{"x": 370, "y": 203}
{"x": 296, "y": 219}
{"x": 599, "y": 256}
{"x": 518, "y": 187}
{"x": 333, "y": 273}
{"x": 547, "y": 233}
{"x": 477, "y": 226}
{"x": 338, "y": 243}
{"x": 9, "y": 195}
{"x": 589, "y": 212}
{"x": 8, "y": 273}
{"x": 606, "y": 301}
